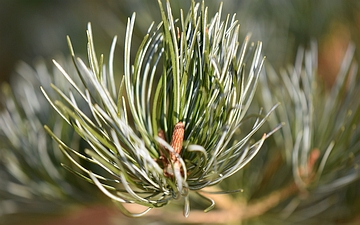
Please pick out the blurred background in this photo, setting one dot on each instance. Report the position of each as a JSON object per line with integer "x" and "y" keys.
{"x": 37, "y": 29}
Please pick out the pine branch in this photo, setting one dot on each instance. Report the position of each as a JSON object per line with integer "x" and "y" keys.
{"x": 181, "y": 121}
{"x": 320, "y": 139}
{"x": 31, "y": 177}
{"x": 190, "y": 71}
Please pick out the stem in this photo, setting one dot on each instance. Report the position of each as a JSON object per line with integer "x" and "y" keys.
{"x": 234, "y": 212}
{"x": 261, "y": 206}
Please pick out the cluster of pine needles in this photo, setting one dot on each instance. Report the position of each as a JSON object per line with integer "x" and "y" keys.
{"x": 193, "y": 117}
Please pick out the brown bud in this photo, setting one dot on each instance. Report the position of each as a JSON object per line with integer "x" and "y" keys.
{"x": 178, "y": 137}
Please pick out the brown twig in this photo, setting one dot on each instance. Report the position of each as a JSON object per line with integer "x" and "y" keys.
{"x": 263, "y": 205}
{"x": 235, "y": 211}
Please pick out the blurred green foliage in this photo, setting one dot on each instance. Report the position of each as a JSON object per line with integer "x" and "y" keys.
{"x": 29, "y": 29}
